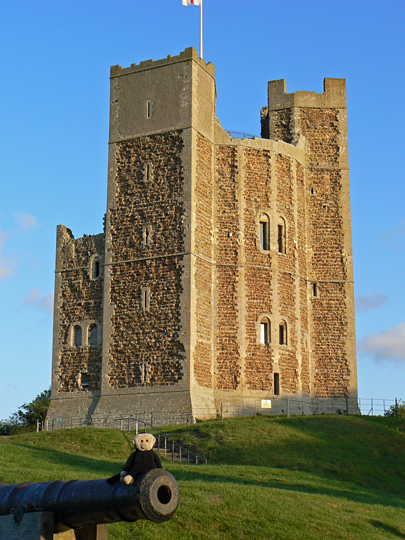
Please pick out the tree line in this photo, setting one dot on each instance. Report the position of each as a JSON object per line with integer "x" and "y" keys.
{"x": 27, "y": 415}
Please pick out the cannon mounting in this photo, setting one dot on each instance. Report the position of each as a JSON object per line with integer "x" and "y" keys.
{"x": 86, "y": 507}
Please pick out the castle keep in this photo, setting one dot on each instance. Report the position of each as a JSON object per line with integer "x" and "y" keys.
{"x": 224, "y": 272}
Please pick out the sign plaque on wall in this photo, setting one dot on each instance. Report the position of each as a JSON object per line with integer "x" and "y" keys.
{"x": 266, "y": 403}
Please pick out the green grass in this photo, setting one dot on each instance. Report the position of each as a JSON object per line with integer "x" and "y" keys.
{"x": 268, "y": 479}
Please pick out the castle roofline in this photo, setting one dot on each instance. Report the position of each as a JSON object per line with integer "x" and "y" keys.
{"x": 188, "y": 54}
{"x": 333, "y": 97}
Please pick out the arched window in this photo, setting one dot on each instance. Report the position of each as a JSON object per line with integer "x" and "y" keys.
{"x": 77, "y": 336}
{"x": 281, "y": 238}
{"x": 264, "y": 224}
{"x": 282, "y": 333}
{"x": 265, "y": 331}
{"x": 95, "y": 267}
{"x": 93, "y": 335}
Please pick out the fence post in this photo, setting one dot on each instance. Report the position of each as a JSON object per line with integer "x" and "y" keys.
{"x": 172, "y": 450}
{"x": 372, "y": 407}
{"x": 221, "y": 413}
{"x": 347, "y": 405}
{"x": 288, "y": 407}
{"x": 396, "y": 407}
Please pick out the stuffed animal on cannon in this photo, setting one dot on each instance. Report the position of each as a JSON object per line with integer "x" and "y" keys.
{"x": 139, "y": 462}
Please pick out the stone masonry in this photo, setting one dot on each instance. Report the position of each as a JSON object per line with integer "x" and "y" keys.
{"x": 224, "y": 273}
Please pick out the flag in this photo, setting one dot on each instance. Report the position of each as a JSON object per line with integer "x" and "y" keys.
{"x": 191, "y": 2}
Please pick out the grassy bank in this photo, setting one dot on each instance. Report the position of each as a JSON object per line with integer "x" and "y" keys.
{"x": 268, "y": 478}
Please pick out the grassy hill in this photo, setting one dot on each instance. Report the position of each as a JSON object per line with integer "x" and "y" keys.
{"x": 300, "y": 478}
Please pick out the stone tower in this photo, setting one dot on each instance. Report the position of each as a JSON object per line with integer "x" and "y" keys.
{"x": 224, "y": 273}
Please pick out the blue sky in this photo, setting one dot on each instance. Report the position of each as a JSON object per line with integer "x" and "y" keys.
{"x": 54, "y": 104}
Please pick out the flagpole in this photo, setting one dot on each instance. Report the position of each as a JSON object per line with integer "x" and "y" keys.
{"x": 201, "y": 29}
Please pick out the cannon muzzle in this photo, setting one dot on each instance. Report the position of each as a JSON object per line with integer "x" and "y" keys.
{"x": 76, "y": 504}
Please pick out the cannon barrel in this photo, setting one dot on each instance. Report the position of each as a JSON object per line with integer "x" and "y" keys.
{"x": 76, "y": 504}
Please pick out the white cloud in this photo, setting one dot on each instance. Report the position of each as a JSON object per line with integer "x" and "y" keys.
{"x": 35, "y": 298}
{"x": 46, "y": 303}
{"x": 366, "y": 303}
{"x": 5, "y": 267}
{"x": 5, "y": 270}
{"x": 25, "y": 221}
{"x": 386, "y": 345}
{"x": 394, "y": 238}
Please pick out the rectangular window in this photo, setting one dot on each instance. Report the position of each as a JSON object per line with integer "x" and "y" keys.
{"x": 145, "y": 298}
{"x": 264, "y": 231}
{"x": 277, "y": 384}
{"x": 264, "y": 333}
{"x": 148, "y": 109}
{"x": 280, "y": 238}
{"x": 283, "y": 333}
{"x": 85, "y": 380}
{"x": 315, "y": 290}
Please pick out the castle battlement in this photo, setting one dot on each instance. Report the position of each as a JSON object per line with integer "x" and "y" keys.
{"x": 188, "y": 54}
{"x": 333, "y": 97}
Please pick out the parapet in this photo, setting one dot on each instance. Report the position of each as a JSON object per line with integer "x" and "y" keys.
{"x": 333, "y": 97}
{"x": 188, "y": 54}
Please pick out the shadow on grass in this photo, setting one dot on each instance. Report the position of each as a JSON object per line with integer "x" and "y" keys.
{"x": 100, "y": 467}
{"x": 367, "y": 496}
{"x": 388, "y": 529}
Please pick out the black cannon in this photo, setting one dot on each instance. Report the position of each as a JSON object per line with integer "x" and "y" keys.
{"x": 84, "y": 505}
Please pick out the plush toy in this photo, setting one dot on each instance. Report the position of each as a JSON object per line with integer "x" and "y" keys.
{"x": 139, "y": 462}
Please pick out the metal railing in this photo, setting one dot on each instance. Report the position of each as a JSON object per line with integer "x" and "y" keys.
{"x": 164, "y": 443}
{"x": 277, "y": 406}
{"x": 378, "y": 407}
{"x": 241, "y": 134}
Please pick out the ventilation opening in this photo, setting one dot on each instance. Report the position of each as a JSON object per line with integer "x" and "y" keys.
{"x": 84, "y": 380}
